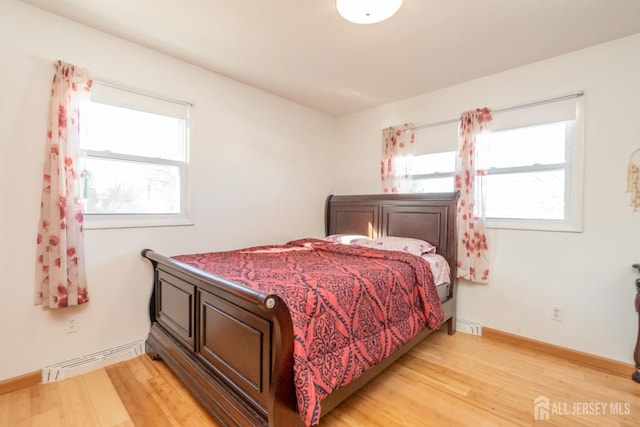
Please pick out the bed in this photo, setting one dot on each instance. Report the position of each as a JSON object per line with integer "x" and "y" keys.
{"x": 233, "y": 346}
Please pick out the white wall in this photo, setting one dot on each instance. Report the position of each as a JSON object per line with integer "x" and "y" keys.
{"x": 589, "y": 274}
{"x": 258, "y": 167}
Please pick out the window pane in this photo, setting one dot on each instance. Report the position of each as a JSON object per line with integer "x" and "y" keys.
{"x": 534, "y": 195}
{"x": 433, "y": 185}
{"x": 543, "y": 144}
{"x": 133, "y": 132}
{"x": 122, "y": 187}
{"x": 436, "y": 162}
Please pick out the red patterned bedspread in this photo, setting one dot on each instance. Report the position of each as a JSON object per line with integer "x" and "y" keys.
{"x": 351, "y": 306}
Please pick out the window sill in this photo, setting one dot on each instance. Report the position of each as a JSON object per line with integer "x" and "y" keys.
{"x": 540, "y": 225}
{"x": 96, "y": 222}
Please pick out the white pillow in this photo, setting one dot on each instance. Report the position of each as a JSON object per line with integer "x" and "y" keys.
{"x": 347, "y": 239}
{"x": 403, "y": 244}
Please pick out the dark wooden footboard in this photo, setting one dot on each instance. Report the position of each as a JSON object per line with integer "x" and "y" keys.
{"x": 231, "y": 346}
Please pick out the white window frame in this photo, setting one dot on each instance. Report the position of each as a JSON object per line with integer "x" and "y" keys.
{"x": 574, "y": 173}
{"x": 117, "y": 95}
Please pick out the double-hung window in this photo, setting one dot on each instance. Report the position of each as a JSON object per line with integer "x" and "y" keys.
{"x": 533, "y": 165}
{"x": 136, "y": 159}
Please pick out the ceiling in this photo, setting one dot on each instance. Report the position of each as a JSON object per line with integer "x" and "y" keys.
{"x": 302, "y": 50}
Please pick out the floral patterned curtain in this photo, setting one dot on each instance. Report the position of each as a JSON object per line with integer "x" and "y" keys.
{"x": 473, "y": 262}
{"x": 60, "y": 274}
{"x": 395, "y": 166}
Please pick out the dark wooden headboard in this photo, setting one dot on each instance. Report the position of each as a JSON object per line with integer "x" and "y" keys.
{"x": 427, "y": 216}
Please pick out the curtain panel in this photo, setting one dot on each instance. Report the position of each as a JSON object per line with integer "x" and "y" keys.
{"x": 395, "y": 166}
{"x": 60, "y": 273}
{"x": 473, "y": 261}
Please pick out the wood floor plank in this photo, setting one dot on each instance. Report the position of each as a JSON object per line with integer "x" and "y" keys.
{"x": 180, "y": 404}
{"x": 143, "y": 368}
{"x": 44, "y": 398}
{"x": 75, "y": 399}
{"x": 142, "y": 408}
{"x": 105, "y": 399}
{"x": 171, "y": 392}
{"x": 52, "y": 417}
{"x": 46, "y": 406}
{"x": 19, "y": 408}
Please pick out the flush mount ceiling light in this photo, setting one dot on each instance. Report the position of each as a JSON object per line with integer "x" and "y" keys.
{"x": 367, "y": 11}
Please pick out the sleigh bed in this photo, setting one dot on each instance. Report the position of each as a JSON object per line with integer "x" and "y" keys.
{"x": 233, "y": 346}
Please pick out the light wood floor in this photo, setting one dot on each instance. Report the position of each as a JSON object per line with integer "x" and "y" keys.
{"x": 459, "y": 380}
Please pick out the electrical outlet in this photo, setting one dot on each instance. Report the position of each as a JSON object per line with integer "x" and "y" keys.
{"x": 556, "y": 314}
{"x": 72, "y": 325}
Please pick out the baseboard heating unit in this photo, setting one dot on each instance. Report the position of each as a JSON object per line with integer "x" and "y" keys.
{"x": 90, "y": 362}
{"x": 469, "y": 327}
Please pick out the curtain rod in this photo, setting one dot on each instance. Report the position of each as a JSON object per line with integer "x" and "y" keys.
{"x": 504, "y": 110}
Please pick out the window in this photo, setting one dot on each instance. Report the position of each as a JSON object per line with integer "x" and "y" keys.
{"x": 136, "y": 159}
{"x": 533, "y": 164}
{"x": 527, "y": 172}
{"x": 434, "y": 173}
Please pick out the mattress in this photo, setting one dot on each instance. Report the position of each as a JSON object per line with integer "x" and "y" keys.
{"x": 441, "y": 274}
{"x": 443, "y": 291}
